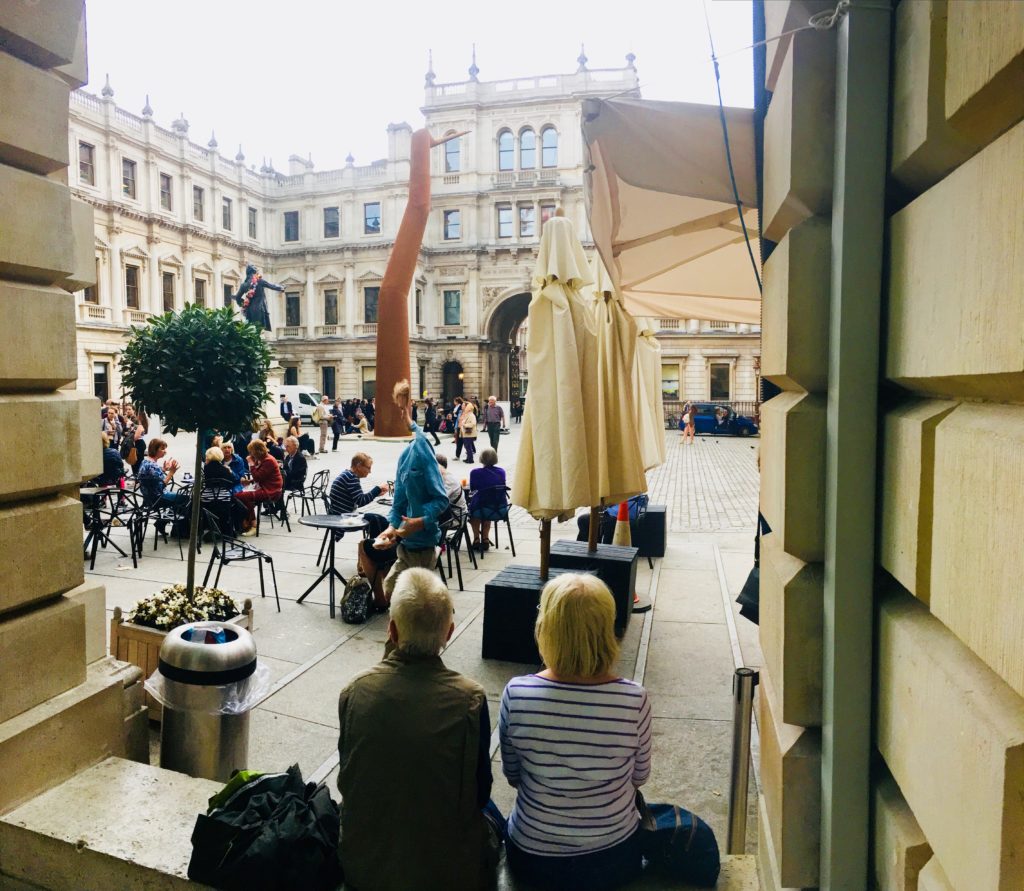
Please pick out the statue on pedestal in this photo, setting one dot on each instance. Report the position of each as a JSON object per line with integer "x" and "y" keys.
{"x": 252, "y": 298}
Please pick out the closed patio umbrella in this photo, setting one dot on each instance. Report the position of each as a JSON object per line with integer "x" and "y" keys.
{"x": 556, "y": 471}
{"x": 648, "y": 395}
{"x": 620, "y": 471}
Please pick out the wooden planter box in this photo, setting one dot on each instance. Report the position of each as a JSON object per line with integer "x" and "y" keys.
{"x": 140, "y": 646}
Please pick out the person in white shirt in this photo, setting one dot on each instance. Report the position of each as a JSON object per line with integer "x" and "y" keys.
{"x": 456, "y": 493}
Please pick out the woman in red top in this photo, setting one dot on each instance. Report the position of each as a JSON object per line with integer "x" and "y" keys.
{"x": 266, "y": 476}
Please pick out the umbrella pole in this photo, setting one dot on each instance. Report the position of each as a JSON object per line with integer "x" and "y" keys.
{"x": 545, "y": 549}
{"x": 595, "y": 522}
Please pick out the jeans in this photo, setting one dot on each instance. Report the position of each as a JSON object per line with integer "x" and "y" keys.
{"x": 470, "y": 443}
{"x": 598, "y": 871}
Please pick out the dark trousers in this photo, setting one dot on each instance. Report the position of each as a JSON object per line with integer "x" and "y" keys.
{"x": 599, "y": 871}
{"x": 432, "y": 430}
{"x": 470, "y": 443}
{"x": 605, "y": 533}
{"x": 337, "y": 432}
{"x": 458, "y": 445}
{"x": 494, "y": 432}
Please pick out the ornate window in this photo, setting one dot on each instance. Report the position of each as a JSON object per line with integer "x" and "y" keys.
{"x": 165, "y": 191}
{"x": 198, "y": 203}
{"x": 225, "y": 213}
{"x": 527, "y": 221}
{"x": 128, "y": 170}
{"x": 506, "y": 151}
{"x": 452, "y": 225}
{"x": 720, "y": 381}
{"x": 670, "y": 382}
{"x": 549, "y": 147}
{"x": 292, "y": 309}
{"x": 291, "y": 225}
{"x": 371, "y": 218}
{"x": 453, "y": 307}
{"x": 252, "y": 222}
{"x": 505, "y": 221}
{"x": 371, "y": 297}
{"x": 167, "y": 280}
{"x": 131, "y": 287}
{"x": 87, "y": 163}
{"x": 331, "y": 307}
{"x": 332, "y": 222}
{"x": 452, "y": 156}
{"x": 527, "y": 150}
{"x": 200, "y": 291}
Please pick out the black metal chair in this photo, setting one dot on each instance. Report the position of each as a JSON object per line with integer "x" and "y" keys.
{"x": 495, "y": 505}
{"x": 228, "y": 549}
{"x": 317, "y": 488}
{"x": 164, "y": 514}
{"x": 218, "y": 499}
{"x": 273, "y": 511}
{"x": 454, "y": 529}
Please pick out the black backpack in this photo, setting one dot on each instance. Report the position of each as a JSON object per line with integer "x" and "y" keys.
{"x": 357, "y": 601}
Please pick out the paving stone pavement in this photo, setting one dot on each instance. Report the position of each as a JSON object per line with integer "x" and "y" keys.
{"x": 684, "y": 651}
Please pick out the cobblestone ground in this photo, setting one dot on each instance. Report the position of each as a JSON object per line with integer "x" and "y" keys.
{"x": 709, "y": 486}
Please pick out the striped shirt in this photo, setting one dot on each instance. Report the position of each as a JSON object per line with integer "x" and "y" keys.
{"x": 575, "y": 753}
{"x": 347, "y": 493}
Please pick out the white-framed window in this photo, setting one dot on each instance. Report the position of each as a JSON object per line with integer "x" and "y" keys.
{"x": 453, "y": 307}
{"x": 332, "y": 222}
{"x": 670, "y": 381}
{"x": 371, "y": 299}
{"x": 331, "y": 306}
{"x": 87, "y": 163}
{"x": 505, "y": 225}
{"x": 167, "y": 284}
{"x": 198, "y": 203}
{"x": 506, "y": 150}
{"x": 549, "y": 147}
{"x": 131, "y": 286}
{"x": 252, "y": 222}
{"x": 452, "y": 225}
{"x": 128, "y": 178}
{"x": 527, "y": 221}
{"x": 166, "y": 188}
{"x": 199, "y": 286}
{"x": 527, "y": 149}
{"x": 225, "y": 214}
{"x": 292, "y": 309}
{"x": 720, "y": 388}
{"x": 291, "y": 225}
{"x": 371, "y": 218}
{"x": 453, "y": 155}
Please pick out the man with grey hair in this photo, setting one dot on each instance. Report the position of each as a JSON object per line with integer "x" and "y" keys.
{"x": 494, "y": 420}
{"x": 414, "y": 771}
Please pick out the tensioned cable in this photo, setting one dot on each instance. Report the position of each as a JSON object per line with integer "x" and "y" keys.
{"x": 728, "y": 151}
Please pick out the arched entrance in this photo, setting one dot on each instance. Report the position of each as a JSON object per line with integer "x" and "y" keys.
{"x": 451, "y": 381}
{"x": 502, "y": 330}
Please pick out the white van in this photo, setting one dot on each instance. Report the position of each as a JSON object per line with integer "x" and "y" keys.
{"x": 303, "y": 400}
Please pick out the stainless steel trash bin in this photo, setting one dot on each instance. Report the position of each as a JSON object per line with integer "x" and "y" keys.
{"x": 207, "y": 668}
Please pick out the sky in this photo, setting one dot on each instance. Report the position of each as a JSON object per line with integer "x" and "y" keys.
{"x": 323, "y": 79}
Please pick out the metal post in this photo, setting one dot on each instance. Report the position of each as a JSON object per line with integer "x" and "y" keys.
{"x": 743, "y": 683}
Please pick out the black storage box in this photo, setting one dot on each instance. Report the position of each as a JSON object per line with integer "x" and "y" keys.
{"x": 651, "y": 536}
{"x": 613, "y": 564}
{"x": 511, "y": 599}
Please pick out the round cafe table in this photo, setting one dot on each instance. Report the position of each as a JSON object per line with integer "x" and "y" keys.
{"x": 334, "y": 523}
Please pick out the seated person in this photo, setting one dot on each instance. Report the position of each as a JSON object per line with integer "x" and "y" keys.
{"x": 269, "y": 437}
{"x": 413, "y": 534}
{"x": 267, "y": 483}
{"x": 154, "y": 477}
{"x": 294, "y": 466}
{"x": 456, "y": 494}
{"x": 403, "y": 826}
{"x": 113, "y": 465}
{"x": 637, "y": 504}
{"x": 217, "y": 474}
{"x": 575, "y": 744}
{"x": 234, "y": 463}
{"x": 347, "y": 493}
{"x": 486, "y": 506}
{"x": 305, "y": 440}
{"x": 360, "y": 426}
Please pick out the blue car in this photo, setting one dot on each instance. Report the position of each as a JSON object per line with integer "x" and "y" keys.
{"x": 720, "y": 420}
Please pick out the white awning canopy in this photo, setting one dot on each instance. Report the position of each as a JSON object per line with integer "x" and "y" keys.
{"x": 662, "y": 210}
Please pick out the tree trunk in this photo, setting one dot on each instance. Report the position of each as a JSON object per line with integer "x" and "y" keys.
{"x": 193, "y": 530}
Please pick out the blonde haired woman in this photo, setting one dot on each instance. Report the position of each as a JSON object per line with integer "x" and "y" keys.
{"x": 467, "y": 429}
{"x": 576, "y": 744}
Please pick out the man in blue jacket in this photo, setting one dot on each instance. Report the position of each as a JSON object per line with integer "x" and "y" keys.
{"x": 413, "y": 535}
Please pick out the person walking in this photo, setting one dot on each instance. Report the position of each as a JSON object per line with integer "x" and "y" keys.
{"x": 322, "y": 416}
{"x": 494, "y": 420}
{"x": 430, "y": 421}
{"x": 467, "y": 426}
{"x": 457, "y": 429}
{"x": 337, "y": 422}
{"x": 689, "y": 425}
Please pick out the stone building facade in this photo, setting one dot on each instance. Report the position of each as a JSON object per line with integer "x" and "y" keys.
{"x": 176, "y": 222}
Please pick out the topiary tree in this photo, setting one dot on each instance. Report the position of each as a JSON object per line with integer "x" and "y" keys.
{"x": 200, "y": 369}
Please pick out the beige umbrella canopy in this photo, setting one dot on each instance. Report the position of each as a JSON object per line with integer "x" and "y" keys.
{"x": 647, "y": 392}
{"x": 558, "y": 457}
{"x": 620, "y": 471}
{"x": 662, "y": 209}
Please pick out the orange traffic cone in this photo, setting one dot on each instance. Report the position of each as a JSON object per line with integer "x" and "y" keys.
{"x": 622, "y": 536}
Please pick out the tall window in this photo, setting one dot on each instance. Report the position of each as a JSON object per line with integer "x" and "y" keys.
{"x": 547, "y": 211}
{"x": 527, "y": 150}
{"x": 369, "y": 373}
{"x": 720, "y": 381}
{"x": 452, "y": 224}
{"x": 87, "y": 164}
{"x": 229, "y": 291}
{"x": 453, "y": 307}
{"x": 225, "y": 213}
{"x": 291, "y": 225}
{"x": 292, "y": 309}
{"x": 527, "y": 220}
{"x": 331, "y": 307}
{"x": 327, "y": 379}
{"x": 291, "y": 375}
{"x": 505, "y": 221}
{"x": 167, "y": 280}
{"x": 452, "y": 153}
{"x": 419, "y": 306}
{"x": 101, "y": 380}
{"x": 165, "y": 192}
{"x": 371, "y": 218}
{"x": 128, "y": 178}
{"x": 200, "y": 291}
{"x": 92, "y": 293}
{"x": 131, "y": 287}
{"x": 670, "y": 382}
{"x": 549, "y": 147}
{"x": 506, "y": 150}
{"x": 252, "y": 222}
{"x": 198, "y": 203}
{"x": 332, "y": 222}
{"x": 371, "y": 297}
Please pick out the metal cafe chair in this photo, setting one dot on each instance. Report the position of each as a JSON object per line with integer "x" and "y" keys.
{"x": 228, "y": 549}
{"x": 495, "y": 505}
{"x": 454, "y": 530}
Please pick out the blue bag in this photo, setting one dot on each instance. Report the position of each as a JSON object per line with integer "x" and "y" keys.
{"x": 678, "y": 844}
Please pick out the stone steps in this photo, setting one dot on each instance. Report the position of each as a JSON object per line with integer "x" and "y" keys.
{"x": 121, "y": 824}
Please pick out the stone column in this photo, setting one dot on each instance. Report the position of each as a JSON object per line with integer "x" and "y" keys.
{"x": 156, "y": 291}
{"x": 309, "y": 312}
{"x": 116, "y": 297}
{"x": 217, "y": 298}
{"x": 350, "y": 299}
{"x": 471, "y": 302}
